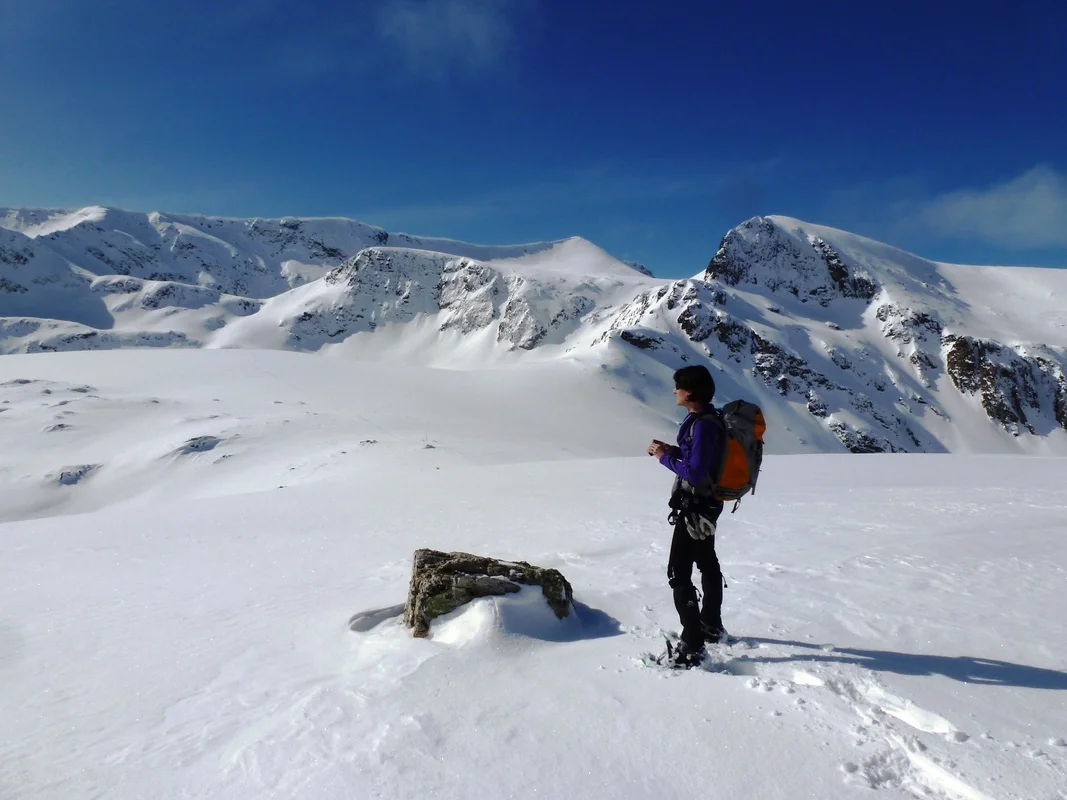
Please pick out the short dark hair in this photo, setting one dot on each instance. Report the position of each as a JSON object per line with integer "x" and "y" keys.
{"x": 697, "y": 381}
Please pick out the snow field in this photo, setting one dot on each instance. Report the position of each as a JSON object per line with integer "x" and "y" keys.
{"x": 192, "y": 635}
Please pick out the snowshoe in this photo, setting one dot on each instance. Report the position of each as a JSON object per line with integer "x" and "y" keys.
{"x": 679, "y": 656}
{"x": 715, "y": 634}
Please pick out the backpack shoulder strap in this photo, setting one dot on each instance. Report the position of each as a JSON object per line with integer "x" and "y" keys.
{"x": 716, "y": 416}
{"x": 712, "y": 414}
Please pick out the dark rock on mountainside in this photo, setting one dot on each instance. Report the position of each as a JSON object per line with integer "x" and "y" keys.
{"x": 641, "y": 341}
{"x": 1013, "y": 387}
{"x": 639, "y": 267}
{"x": 848, "y": 284}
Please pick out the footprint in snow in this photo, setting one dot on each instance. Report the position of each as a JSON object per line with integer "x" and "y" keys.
{"x": 910, "y": 714}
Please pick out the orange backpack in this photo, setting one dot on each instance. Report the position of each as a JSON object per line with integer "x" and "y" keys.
{"x": 743, "y": 426}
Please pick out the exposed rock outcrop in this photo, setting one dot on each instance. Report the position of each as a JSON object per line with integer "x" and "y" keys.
{"x": 442, "y": 582}
{"x": 1014, "y": 386}
{"x": 917, "y": 335}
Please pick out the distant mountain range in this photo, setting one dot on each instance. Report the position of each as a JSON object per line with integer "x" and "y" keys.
{"x": 849, "y": 344}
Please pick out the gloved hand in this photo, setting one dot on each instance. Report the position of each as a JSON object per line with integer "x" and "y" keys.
{"x": 699, "y": 527}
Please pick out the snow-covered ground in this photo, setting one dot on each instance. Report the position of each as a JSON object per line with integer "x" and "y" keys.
{"x": 181, "y": 558}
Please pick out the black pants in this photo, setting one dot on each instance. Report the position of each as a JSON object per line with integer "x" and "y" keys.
{"x": 685, "y": 552}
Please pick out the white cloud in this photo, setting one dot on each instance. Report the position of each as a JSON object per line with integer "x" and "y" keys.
{"x": 433, "y": 37}
{"x": 1029, "y": 211}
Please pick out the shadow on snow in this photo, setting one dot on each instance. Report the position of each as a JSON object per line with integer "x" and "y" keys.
{"x": 965, "y": 669}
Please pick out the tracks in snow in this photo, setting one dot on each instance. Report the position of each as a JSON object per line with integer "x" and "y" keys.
{"x": 900, "y": 745}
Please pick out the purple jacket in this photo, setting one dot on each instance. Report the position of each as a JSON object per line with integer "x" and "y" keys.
{"x": 693, "y": 460}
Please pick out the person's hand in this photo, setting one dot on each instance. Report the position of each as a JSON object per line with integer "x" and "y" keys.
{"x": 657, "y": 449}
{"x": 700, "y": 528}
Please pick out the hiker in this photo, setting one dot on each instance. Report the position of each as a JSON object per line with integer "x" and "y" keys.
{"x": 694, "y": 461}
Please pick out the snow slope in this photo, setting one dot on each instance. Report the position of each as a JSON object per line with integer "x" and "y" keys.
{"x": 849, "y": 344}
{"x": 88, "y": 430}
{"x": 174, "y": 623}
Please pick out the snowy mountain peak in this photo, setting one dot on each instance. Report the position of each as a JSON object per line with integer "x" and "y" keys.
{"x": 930, "y": 332}
{"x": 763, "y": 252}
{"x": 41, "y": 222}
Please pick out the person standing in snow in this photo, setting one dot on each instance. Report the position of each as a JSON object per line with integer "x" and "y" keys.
{"x": 694, "y": 461}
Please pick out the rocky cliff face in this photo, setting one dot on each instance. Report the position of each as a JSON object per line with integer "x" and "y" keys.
{"x": 1020, "y": 390}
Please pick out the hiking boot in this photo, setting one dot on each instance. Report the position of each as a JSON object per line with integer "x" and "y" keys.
{"x": 714, "y": 634}
{"x": 682, "y": 657}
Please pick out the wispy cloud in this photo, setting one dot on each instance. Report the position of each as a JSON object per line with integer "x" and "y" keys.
{"x": 435, "y": 37}
{"x": 1026, "y": 212}
{"x": 408, "y": 41}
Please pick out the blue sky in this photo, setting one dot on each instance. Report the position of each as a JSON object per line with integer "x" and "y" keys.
{"x": 649, "y": 128}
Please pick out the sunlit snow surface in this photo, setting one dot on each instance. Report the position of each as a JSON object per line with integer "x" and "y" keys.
{"x": 188, "y": 534}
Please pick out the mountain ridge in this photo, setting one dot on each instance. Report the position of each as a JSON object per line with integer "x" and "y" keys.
{"x": 851, "y": 343}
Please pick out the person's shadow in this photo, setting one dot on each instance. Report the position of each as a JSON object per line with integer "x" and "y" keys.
{"x": 961, "y": 668}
